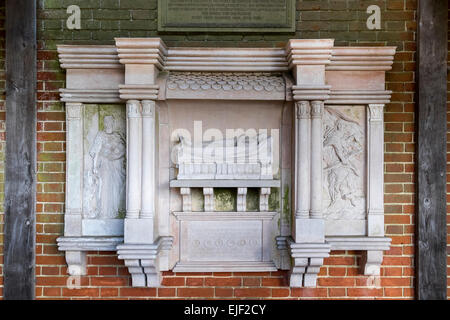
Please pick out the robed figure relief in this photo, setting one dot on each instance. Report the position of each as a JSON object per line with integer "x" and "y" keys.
{"x": 107, "y": 175}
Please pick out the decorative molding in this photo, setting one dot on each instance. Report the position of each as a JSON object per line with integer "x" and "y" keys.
{"x": 309, "y": 52}
{"x": 361, "y": 59}
{"x": 224, "y": 216}
{"x": 138, "y": 92}
{"x": 226, "y": 59}
{"x": 311, "y": 92}
{"x": 142, "y": 51}
{"x": 90, "y": 96}
{"x": 88, "y": 57}
{"x": 76, "y": 248}
{"x": 250, "y": 183}
{"x": 236, "y": 81}
{"x": 349, "y": 97}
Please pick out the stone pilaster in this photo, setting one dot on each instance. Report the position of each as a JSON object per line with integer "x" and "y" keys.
{"x": 307, "y": 60}
{"x": 142, "y": 250}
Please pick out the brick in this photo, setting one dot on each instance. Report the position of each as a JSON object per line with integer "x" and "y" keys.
{"x": 252, "y": 292}
{"x": 173, "y": 281}
{"x": 309, "y": 292}
{"x": 194, "y": 282}
{"x": 223, "y": 292}
{"x": 84, "y": 292}
{"x": 335, "y": 282}
{"x": 223, "y": 282}
{"x": 251, "y": 282}
{"x": 137, "y": 292}
{"x": 196, "y": 292}
{"x": 166, "y": 292}
{"x": 109, "y": 281}
{"x": 109, "y": 292}
{"x": 274, "y": 282}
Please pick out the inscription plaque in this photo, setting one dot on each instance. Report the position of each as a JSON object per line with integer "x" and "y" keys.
{"x": 226, "y": 15}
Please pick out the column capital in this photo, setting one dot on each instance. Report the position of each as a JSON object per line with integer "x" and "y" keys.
{"x": 303, "y": 110}
{"x": 73, "y": 110}
{"x": 317, "y": 108}
{"x": 148, "y": 108}
{"x": 376, "y": 112}
{"x": 134, "y": 109}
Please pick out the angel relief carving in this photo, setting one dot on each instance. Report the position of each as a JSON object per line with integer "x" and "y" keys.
{"x": 105, "y": 185}
{"x": 343, "y": 166}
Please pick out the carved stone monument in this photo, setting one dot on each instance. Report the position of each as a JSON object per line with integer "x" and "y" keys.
{"x": 224, "y": 159}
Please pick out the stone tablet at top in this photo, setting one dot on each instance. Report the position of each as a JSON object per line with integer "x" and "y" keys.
{"x": 226, "y": 15}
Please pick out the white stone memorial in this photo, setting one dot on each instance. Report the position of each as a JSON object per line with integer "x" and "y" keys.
{"x": 224, "y": 159}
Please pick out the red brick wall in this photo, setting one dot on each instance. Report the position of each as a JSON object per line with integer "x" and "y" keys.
{"x": 339, "y": 277}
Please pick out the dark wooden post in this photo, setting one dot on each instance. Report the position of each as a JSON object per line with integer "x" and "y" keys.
{"x": 431, "y": 256}
{"x": 20, "y": 165}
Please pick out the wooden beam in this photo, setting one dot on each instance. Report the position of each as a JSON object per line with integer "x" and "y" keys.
{"x": 20, "y": 165}
{"x": 431, "y": 257}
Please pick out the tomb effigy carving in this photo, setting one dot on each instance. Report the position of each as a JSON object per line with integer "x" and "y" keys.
{"x": 301, "y": 176}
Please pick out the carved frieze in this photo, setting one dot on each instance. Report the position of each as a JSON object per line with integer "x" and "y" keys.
{"x": 237, "y": 81}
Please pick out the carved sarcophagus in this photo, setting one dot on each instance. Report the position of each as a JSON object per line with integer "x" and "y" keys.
{"x": 231, "y": 159}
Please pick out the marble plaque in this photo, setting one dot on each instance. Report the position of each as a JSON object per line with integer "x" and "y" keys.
{"x": 227, "y": 16}
{"x": 221, "y": 241}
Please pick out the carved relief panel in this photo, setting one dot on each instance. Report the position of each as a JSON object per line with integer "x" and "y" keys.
{"x": 104, "y": 169}
{"x": 344, "y": 170}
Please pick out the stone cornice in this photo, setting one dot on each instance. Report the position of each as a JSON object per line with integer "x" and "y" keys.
{"x": 142, "y": 51}
{"x": 309, "y": 52}
{"x": 362, "y": 59}
{"x": 88, "y": 57}
{"x": 227, "y": 59}
{"x": 102, "y": 68}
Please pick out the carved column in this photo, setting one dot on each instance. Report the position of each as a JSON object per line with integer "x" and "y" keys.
{"x": 149, "y": 153}
{"x": 134, "y": 150}
{"x": 316, "y": 159}
{"x": 303, "y": 147}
